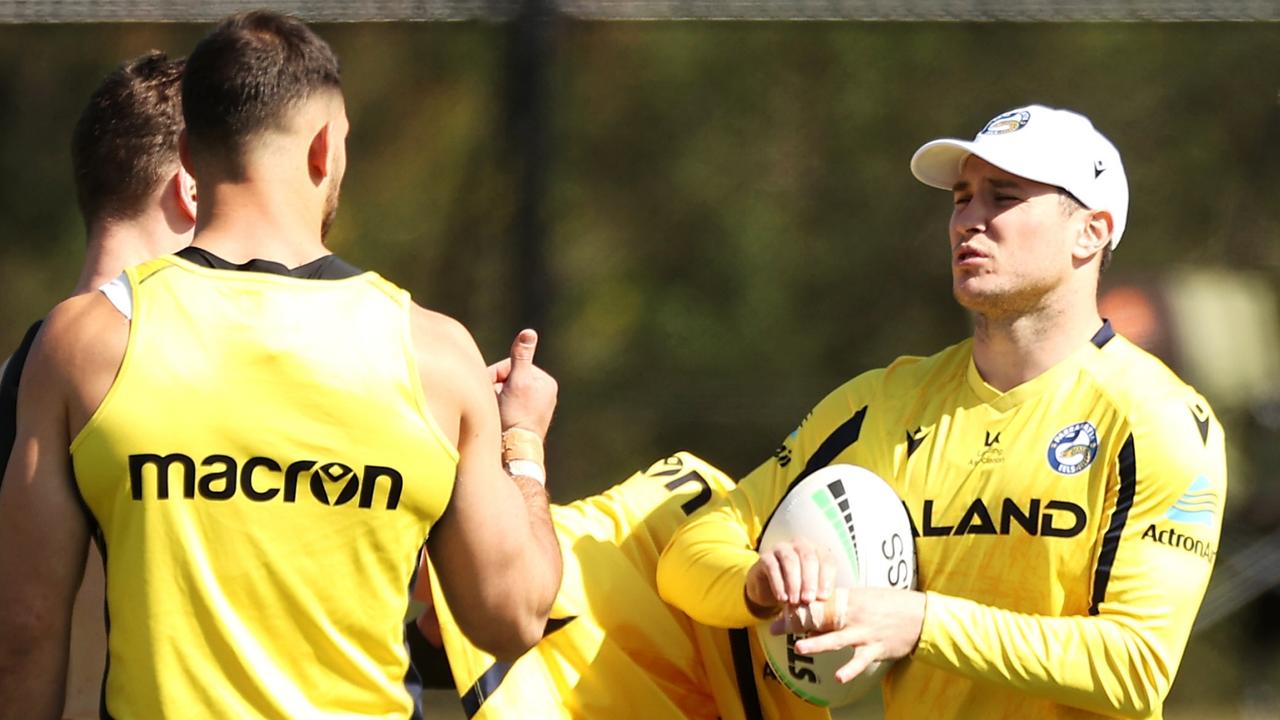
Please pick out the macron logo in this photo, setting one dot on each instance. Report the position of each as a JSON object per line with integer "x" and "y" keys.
{"x": 1098, "y": 168}
{"x": 1197, "y": 506}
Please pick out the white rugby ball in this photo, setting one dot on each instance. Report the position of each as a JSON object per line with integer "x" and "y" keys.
{"x": 853, "y": 513}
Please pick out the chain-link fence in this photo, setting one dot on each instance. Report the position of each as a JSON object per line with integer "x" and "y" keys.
{"x": 77, "y": 11}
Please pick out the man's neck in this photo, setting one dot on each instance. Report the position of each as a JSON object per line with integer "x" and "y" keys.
{"x": 239, "y": 223}
{"x": 114, "y": 246}
{"x": 1009, "y": 351}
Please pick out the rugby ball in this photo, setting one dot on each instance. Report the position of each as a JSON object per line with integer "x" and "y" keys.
{"x": 855, "y": 515}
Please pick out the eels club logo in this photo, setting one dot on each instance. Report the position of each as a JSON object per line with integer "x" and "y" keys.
{"x": 1007, "y": 123}
{"x": 1073, "y": 448}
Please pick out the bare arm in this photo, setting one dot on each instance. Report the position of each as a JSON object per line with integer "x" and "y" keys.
{"x": 494, "y": 548}
{"x": 526, "y": 403}
{"x": 43, "y": 536}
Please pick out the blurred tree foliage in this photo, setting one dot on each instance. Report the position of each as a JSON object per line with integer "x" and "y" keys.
{"x": 733, "y": 227}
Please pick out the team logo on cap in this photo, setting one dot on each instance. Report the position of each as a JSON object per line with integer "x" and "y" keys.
{"x": 1073, "y": 448}
{"x": 1007, "y": 123}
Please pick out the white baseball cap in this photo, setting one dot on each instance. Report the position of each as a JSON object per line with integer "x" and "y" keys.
{"x": 1047, "y": 145}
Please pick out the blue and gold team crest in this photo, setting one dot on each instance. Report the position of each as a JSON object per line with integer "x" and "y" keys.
{"x": 1073, "y": 448}
{"x": 1197, "y": 506}
{"x": 1007, "y": 122}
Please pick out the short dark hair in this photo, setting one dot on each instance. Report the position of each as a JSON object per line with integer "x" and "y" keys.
{"x": 126, "y": 140}
{"x": 246, "y": 76}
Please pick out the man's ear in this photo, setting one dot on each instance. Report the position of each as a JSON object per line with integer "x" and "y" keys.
{"x": 185, "y": 192}
{"x": 1094, "y": 236}
{"x": 184, "y": 153}
{"x": 320, "y": 160}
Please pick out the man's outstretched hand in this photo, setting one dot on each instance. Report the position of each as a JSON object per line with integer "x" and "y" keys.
{"x": 526, "y": 392}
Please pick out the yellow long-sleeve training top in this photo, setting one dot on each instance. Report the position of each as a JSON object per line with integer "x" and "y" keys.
{"x": 1065, "y": 530}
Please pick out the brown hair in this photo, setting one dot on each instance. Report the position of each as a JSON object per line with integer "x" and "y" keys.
{"x": 246, "y": 76}
{"x": 126, "y": 140}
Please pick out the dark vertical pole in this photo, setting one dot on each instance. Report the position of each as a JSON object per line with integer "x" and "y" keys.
{"x": 528, "y": 58}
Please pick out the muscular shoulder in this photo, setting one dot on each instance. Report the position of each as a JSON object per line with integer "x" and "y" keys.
{"x": 1149, "y": 394}
{"x": 443, "y": 343}
{"x": 1169, "y": 438}
{"x": 900, "y": 380}
{"x": 910, "y": 374}
{"x": 450, "y": 367}
{"x": 76, "y": 356}
{"x": 81, "y": 333}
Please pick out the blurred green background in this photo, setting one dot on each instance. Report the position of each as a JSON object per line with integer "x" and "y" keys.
{"x": 731, "y": 229}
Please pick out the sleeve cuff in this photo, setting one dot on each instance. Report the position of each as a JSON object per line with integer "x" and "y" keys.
{"x": 739, "y": 615}
{"x": 939, "y": 613}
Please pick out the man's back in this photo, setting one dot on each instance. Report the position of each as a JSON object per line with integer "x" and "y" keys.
{"x": 239, "y": 379}
{"x": 263, "y": 470}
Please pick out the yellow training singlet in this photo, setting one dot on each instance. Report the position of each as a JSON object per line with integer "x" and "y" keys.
{"x": 264, "y": 471}
{"x": 1065, "y": 530}
{"x": 613, "y": 648}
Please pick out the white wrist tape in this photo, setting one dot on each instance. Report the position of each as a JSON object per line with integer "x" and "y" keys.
{"x": 528, "y": 468}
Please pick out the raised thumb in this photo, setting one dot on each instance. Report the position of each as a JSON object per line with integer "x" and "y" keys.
{"x": 522, "y": 349}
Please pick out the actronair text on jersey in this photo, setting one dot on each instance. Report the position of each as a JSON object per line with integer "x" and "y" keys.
{"x": 261, "y": 479}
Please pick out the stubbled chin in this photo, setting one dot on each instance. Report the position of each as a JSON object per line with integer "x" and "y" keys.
{"x": 974, "y": 292}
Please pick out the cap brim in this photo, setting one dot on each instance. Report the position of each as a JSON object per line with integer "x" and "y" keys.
{"x": 938, "y": 163}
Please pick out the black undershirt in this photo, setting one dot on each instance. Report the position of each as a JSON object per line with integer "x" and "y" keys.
{"x": 329, "y": 267}
{"x": 9, "y": 395}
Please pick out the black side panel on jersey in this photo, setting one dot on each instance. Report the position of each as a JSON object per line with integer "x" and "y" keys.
{"x": 9, "y": 395}
{"x": 484, "y": 686}
{"x": 837, "y": 442}
{"x": 1128, "y": 472}
{"x": 490, "y": 680}
{"x": 413, "y": 683}
{"x": 329, "y": 267}
{"x": 745, "y": 671}
{"x": 101, "y": 540}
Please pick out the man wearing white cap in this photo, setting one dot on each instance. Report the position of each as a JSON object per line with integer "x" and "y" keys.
{"x": 1065, "y": 488}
